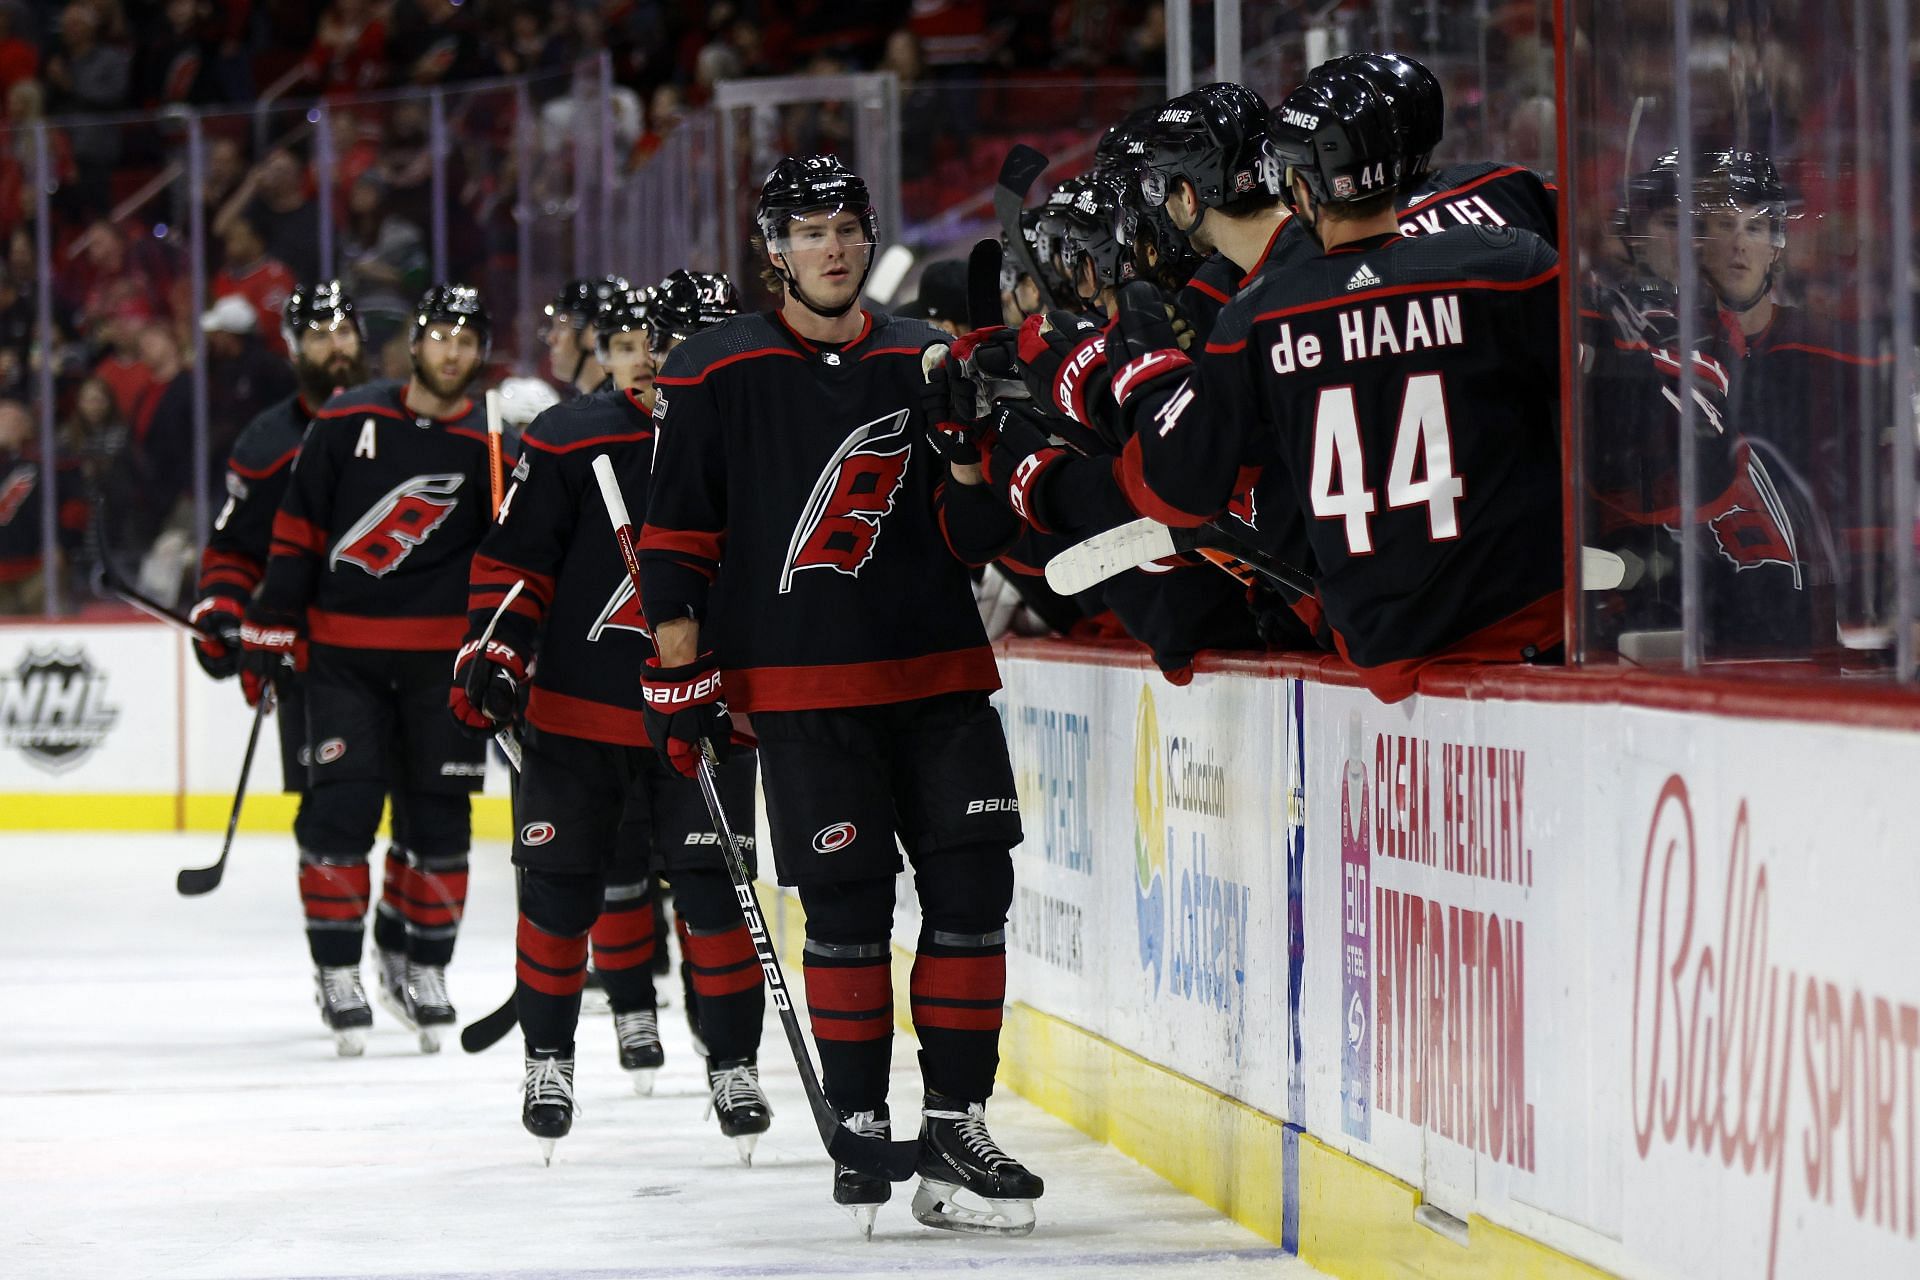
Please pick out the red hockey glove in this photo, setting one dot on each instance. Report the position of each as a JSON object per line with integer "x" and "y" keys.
{"x": 1063, "y": 358}
{"x": 489, "y": 690}
{"x": 217, "y": 649}
{"x": 1022, "y": 456}
{"x": 684, "y": 706}
{"x": 273, "y": 648}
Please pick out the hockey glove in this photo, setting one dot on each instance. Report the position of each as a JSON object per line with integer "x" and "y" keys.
{"x": 684, "y": 706}
{"x": 1022, "y": 457}
{"x": 217, "y": 648}
{"x": 1063, "y": 358}
{"x": 489, "y": 690}
{"x": 1147, "y": 350}
{"x": 947, "y": 401}
{"x": 273, "y": 649}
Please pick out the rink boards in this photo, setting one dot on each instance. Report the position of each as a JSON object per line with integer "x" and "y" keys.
{"x": 1524, "y": 974}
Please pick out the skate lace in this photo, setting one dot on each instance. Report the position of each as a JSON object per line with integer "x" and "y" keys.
{"x": 641, "y": 1027}
{"x": 549, "y": 1085}
{"x": 341, "y": 987}
{"x": 736, "y": 1087}
{"x": 428, "y": 984}
{"x": 971, "y": 1128}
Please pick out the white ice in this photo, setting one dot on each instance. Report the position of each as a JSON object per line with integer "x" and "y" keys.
{"x": 170, "y": 1106}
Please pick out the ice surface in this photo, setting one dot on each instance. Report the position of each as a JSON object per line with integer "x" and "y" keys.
{"x": 170, "y": 1106}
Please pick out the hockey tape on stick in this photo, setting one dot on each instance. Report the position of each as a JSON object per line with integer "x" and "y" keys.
{"x": 194, "y": 881}
{"x": 1601, "y": 570}
{"x": 496, "y": 475}
{"x": 876, "y": 1157}
{"x": 1109, "y": 553}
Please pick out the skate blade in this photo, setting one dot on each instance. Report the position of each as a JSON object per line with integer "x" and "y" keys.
{"x": 546, "y": 1150}
{"x": 948, "y": 1207}
{"x": 863, "y": 1216}
{"x": 397, "y": 1007}
{"x": 643, "y": 1080}
{"x": 744, "y": 1143}
{"x": 430, "y": 1039}
{"x": 351, "y": 1042}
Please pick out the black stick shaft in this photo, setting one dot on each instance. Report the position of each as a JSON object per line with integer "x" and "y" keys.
{"x": 194, "y": 881}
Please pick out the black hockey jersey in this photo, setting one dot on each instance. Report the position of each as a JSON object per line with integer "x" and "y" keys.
{"x": 1211, "y": 287}
{"x": 797, "y": 510}
{"x": 380, "y": 521}
{"x": 578, "y": 614}
{"x": 1404, "y": 392}
{"x": 235, "y": 557}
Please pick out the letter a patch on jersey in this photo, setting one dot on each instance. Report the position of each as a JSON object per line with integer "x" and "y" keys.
{"x": 399, "y": 522}
{"x": 855, "y": 490}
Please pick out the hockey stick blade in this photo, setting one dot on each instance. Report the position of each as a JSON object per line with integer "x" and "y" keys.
{"x": 194, "y": 881}
{"x": 983, "y": 285}
{"x": 480, "y": 1035}
{"x": 1091, "y": 561}
{"x": 1018, "y": 172}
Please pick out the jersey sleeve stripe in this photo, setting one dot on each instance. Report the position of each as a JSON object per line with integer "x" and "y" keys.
{"x": 547, "y": 446}
{"x": 261, "y": 473}
{"x": 693, "y": 547}
{"x": 1434, "y": 286}
{"x": 295, "y": 536}
{"x": 488, "y": 571}
{"x": 1130, "y": 471}
{"x": 700, "y": 377}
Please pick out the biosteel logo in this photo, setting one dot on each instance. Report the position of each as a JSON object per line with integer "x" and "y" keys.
{"x": 1716, "y": 1069}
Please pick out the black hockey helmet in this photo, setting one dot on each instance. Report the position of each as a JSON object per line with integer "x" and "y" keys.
{"x": 1213, "y": 139}
{"x": 1036, "y": 231}
{"x": 1089, "y": 219}
{"x": 1338, "y": 134}
{"x": 1419, "y": 105}
{"x": 1742, "y": 179}
{"x": 581, "y": 299}
{"x": 689, "y": 301}
{"x": 325, "y": 306}
{"x": 1123, "y": 148}
{"x": 802, "y": 185}
{"x": 456, "y": 305}
{"x": 628, "y": 311}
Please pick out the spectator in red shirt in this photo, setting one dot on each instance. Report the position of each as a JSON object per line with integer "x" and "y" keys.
{"x": 19, "y": 59}
{"x": 250, "y": 273}
{"x": 349, "y": 53}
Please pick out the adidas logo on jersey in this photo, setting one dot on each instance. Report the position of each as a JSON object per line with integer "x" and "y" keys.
{"x": 1362, "y": 279}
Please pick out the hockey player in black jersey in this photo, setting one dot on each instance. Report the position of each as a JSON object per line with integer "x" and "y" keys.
{"x": 568, "y": 331}
{"x": 1400, "y": 391}
{"x": 804, "y": 561}
{"x": 323, "y": 334}
{"x": 389, "y": 496}
{"x": 593, "y": 797}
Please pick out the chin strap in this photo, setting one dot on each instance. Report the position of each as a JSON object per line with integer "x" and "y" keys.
{"x": 793, "y": 287}
{"x": 1740, "y": 306}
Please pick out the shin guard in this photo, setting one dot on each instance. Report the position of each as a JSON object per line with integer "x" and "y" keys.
{"x": 333, "y": 896}
{"x": 624, "y": 943}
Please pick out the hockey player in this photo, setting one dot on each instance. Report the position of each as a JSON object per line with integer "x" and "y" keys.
{"x": 804, "y": 561}
{"x": 1401, "y": 390}
{"x": 388, "y": 499}
{"x": 568, "y": 331}
{"x": 322, "y": 331}
{"x": 593, "y": 799}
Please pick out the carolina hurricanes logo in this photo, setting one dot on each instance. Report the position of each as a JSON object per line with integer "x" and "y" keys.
{"x": 855, "y": 490}
{"x": 621, "y": 614}
{"x": 15, "y": 490}
{"x": 398, "y": 523}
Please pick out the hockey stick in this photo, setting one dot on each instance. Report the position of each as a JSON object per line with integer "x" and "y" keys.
{"x": 1018, "y": 172}
{"x": 983, "y": 285}
{"x": 496, "y": 478}
{"x": 194, "y": 881}
{"x": 1142, "y": 541}
{"x": 875, "y": 1157}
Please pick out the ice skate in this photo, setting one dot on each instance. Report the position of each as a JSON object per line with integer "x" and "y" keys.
{"x": 416, "y": 994}
{"x": 640, "y": 1051}
{"x": 547, "y": 1106}
{"x": 967, "y": 1183}
{"x": 859, "y": 1193}
{"x": 343, "y": 1007}
{"x": 739, "y": 1103}
{"x": 391, "y": 984}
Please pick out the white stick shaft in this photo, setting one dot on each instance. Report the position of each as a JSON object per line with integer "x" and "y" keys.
{"x": 610, "y": 491}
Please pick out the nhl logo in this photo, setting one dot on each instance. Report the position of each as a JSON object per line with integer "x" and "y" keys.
{"x": 53, "y": 707}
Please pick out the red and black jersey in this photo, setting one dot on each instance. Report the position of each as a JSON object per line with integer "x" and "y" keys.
{"x": 22, "y": 490}
{"x": 797, "y": 510}
{"x": 1485, "y": 193}
{"x": 1400, "y": 394}
{"x": 381, "y": 518}
{"x": 1210, "y": 288}
{"x": 235, "y": 557}
{"x": 578, "y": 612}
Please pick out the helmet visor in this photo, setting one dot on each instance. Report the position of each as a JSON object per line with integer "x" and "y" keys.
{"x": 837, "y": 227}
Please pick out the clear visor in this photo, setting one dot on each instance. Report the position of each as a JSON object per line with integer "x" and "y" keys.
{"x": 819, "y": 230}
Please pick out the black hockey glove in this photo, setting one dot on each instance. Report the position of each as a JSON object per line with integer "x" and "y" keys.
{"x": 489, "y": 690}
{"x": 1022, "y": 457}
{"x": 1143, "y": 351}
{"x": 217, "y": 648}
{"x": 947, "y": 402}
{"x": 1063, "y": 358}
{"x": 273, "y": 649}
{"x": 686, "y": 705}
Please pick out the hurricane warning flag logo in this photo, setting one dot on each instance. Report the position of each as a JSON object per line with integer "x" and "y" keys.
{"x": 840, "y": 524}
